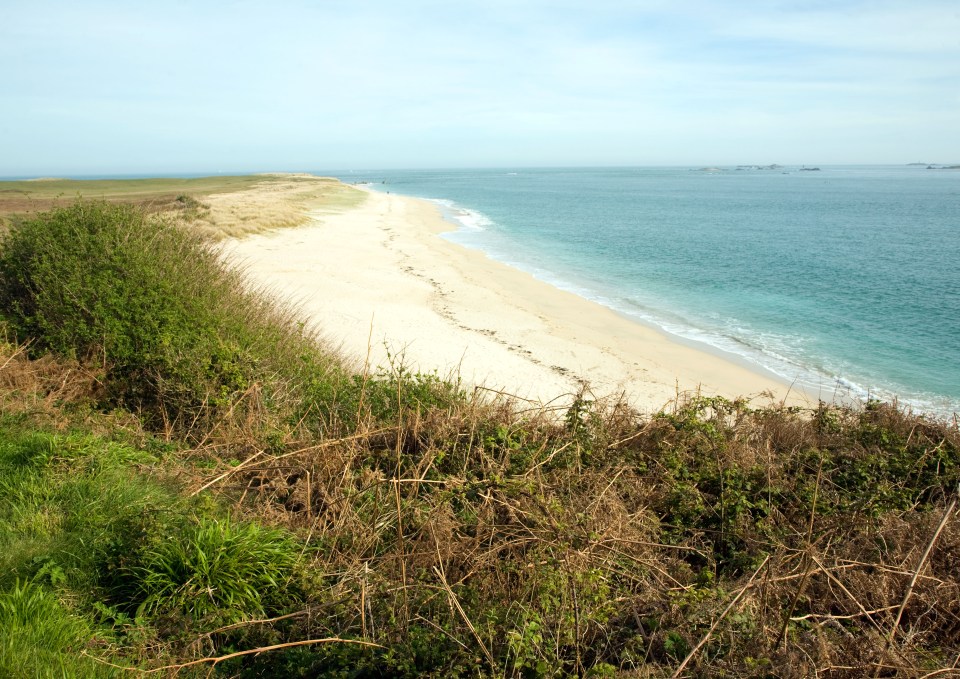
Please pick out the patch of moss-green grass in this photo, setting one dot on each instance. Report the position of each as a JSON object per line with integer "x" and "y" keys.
{"x": 104, "y": 552}
{"x": 41, "y": 638}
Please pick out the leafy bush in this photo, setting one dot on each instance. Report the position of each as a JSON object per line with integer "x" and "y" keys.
{"x": 179, "y": 335}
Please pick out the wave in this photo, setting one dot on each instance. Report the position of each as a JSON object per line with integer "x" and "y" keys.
{"x": 778, "y": 355}
{"x": 461, "y": 216}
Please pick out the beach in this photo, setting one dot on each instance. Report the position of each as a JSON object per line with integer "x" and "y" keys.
{"x": 379, "y": 281}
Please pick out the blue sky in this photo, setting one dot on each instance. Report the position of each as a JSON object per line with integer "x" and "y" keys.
{"x": 109, "y": 87}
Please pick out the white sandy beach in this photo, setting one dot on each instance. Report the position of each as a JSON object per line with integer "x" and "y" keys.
{"x": 381, "y": 281}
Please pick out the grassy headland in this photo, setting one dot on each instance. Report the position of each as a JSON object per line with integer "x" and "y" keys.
{"x": 218, "y": 206}
{"x": 189, "y": 476}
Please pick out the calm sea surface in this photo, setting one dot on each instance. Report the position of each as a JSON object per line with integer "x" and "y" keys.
{"x": 843, "y": 279}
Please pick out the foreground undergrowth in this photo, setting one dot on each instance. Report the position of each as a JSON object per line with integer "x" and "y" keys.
{"x": 188, "y": 477}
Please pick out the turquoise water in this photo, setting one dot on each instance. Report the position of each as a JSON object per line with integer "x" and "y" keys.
{"x": 843, "y": 280}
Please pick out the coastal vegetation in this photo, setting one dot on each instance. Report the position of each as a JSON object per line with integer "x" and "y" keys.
{"x": 194, "y": 483}
{"x": 215, "y": 206}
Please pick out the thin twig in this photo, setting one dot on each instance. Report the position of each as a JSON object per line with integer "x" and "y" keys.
{"x": 916, "y": 572}
{"x": 548, "y": 458}
{"x": 366, "y": 372}
{"x": 636, "y": 435}
{"x": 716, "y": 622}
{"x": 245, "y": 623}
{"x": 229, "y": 656}
{"x": 229, "y": 472}
{"x": 21, "y": 349}
{"x": 827, "y": 616}
{"x": 398, "y": 448}
{"x": 463, "y": 614}
{"x": 319, "y": 446}
{"x": 807, "y": 562}
{"x": 843, "y": 588}
{"x": 950, "y": 671}
{"x": 333, "y": 442}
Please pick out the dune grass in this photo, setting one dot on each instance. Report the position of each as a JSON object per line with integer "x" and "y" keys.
{"x": 187, "y": 474}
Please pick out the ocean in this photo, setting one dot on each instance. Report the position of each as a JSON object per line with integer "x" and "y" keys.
{"x": 841, "y": 279}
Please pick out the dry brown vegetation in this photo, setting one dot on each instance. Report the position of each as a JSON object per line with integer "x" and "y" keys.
{"x": 468, "y": 537}
{"x": 708, "y": 540}
{"x": 282, "y": 201}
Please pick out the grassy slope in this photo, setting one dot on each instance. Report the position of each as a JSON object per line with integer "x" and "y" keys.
{"x": 219, "y": 469}
{"x": 186, "y": 198}
{"x": 31, "y": 196}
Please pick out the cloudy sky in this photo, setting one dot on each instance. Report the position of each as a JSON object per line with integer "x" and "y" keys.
{"x": 114, "y": 87}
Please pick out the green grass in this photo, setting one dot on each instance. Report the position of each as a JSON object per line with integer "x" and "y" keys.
{"x": 125, "y": 188}
{"x": 41, "y": 639}
{"x": 217, "y": 572}
{"x": 98, "y": 550}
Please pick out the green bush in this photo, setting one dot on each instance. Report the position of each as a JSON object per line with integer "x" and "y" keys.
{"x": 179, "y": 335}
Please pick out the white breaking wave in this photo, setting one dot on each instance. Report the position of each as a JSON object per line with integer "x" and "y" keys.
{"x": 463, "y": 217}
{"x": 770, "y": 353}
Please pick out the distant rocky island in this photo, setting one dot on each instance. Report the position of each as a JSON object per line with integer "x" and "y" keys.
{"x": 804, "y": 168}
{"x": 741, "y": 168}
{"x": 934, "y": 166}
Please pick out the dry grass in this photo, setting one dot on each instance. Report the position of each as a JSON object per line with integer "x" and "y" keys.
{"x": 283, "y": 201}
{"x": 474, "y": 536}
{"x": 517, "y": 539}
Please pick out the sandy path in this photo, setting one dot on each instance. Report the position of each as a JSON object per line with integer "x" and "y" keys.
{"x": 379, "y": 276}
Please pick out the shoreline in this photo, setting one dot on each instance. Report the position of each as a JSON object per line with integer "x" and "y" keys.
{"x": 382, "y": 282}
{"x": 808, "y": 385}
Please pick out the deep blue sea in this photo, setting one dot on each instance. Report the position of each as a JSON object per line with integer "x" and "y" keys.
{"x": 844, "y": 279}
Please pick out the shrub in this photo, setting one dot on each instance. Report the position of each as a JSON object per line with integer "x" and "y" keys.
{"x": 179, "y": 336}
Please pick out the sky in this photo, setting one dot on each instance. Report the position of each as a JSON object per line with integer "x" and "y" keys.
{"x": 109, "y": 87}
